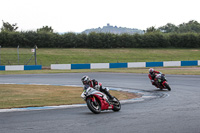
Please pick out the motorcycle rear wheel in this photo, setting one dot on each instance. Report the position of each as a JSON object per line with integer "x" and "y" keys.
{"x": 116, "y": 105}
{"x": 95, "y": 107}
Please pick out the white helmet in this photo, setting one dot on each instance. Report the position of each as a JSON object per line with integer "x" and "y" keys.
{"x": 151, "y": 70}
{"x": 85, "y": 79}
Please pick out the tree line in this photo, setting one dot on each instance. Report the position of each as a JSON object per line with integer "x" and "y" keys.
{"x": 163, "y": 37}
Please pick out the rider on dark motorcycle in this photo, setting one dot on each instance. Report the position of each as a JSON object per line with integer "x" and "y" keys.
{"x": 152, "y": 74}
{"x": 94, "y": 84}
{"x": 159, "y": 79}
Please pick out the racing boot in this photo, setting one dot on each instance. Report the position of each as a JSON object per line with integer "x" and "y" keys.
{"x": 111, "y": 98}
{"x": 106, "y": 91}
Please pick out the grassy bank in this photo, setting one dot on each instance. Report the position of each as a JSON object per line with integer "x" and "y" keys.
{"x": 47, "y": 56}
{"x": 13, "y": 96}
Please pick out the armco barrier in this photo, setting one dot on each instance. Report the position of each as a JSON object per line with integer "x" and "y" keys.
{"x": 189, "y": 63}
{"x": 172, "y": 63}
{"x": 118, "y": 65}
{"x": 20, "y": 67}
{"x": 99, "y": 65}
{"x": 80, "y": 66}
{"x": 154, "y": 64}
{"x": 124, "y": 65}
{"x": 32, "y": 67}
{"x": 2, "y": 68}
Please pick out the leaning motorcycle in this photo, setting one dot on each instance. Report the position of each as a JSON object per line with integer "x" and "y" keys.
{"x": 98, "y": 101}
{"x": 161, "y": 82}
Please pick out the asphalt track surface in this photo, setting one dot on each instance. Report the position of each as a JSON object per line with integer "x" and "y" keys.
{"x": 177, "y": 112}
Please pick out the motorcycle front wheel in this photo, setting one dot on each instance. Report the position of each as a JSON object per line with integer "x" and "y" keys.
{"x": 95, "y": 107}
{"x": 116, "y": 105}
{"x": 168, "y": 87}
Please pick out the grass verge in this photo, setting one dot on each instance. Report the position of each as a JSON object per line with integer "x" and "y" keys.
{"x": 16, "y": 96}
{"x": 195, "y": 70}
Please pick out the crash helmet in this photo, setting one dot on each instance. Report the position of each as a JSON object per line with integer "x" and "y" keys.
{"x": 151, "y": 70}
{"x": 85, "y": 80}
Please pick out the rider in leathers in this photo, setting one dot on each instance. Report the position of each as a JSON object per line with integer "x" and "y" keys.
{"x": 152, "y": 75}
{"x": 96, "y": 85}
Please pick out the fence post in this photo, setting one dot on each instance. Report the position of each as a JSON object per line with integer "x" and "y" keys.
{"x": 35, "y": 55}
{"x": 0, "y": 54}
{"x": 18, "y": 53}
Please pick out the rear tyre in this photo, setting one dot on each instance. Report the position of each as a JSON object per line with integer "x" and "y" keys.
{"x": 116, "y": 105}
{"x": 168, "y": 87}
{"x": 95, "y": 107}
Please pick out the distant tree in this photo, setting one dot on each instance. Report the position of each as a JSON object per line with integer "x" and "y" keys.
{"x": 45, "y": 29}
{"x": 152, "y": 29}
{"x": 191, "y": 26}
{"x": 168, "y": 28}
{"x": 9, "y": 27}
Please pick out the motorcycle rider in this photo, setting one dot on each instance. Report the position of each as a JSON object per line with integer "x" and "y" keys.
{"x": 152, "y": 74}
{"x": 96, "y": 85}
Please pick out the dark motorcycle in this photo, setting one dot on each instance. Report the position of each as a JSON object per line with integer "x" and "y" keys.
{"x": 161, "y": 82}
{"x": 98, "y": 101}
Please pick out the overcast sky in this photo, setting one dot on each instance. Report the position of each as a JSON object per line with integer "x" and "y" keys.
{"x": 78, "y": 15}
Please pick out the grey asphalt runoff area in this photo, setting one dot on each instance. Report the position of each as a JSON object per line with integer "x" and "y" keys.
{"x": 177, "y": 112}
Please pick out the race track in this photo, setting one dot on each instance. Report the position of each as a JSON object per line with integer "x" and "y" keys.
{"x": 179, "y": 112}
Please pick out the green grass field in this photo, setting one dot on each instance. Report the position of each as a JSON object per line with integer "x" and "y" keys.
{"x": 48, "y": 56}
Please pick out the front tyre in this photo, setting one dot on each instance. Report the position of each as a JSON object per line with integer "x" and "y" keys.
{"x": 116, "y": 105}
{"x": 168, "y": 87}
{"x": 95, "y": 107}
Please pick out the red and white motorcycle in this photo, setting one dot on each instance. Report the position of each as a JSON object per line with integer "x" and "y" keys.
{"x": 98, "y": 101}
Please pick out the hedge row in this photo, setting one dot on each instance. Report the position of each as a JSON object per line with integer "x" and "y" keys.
{"x": 99, "y": 40}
